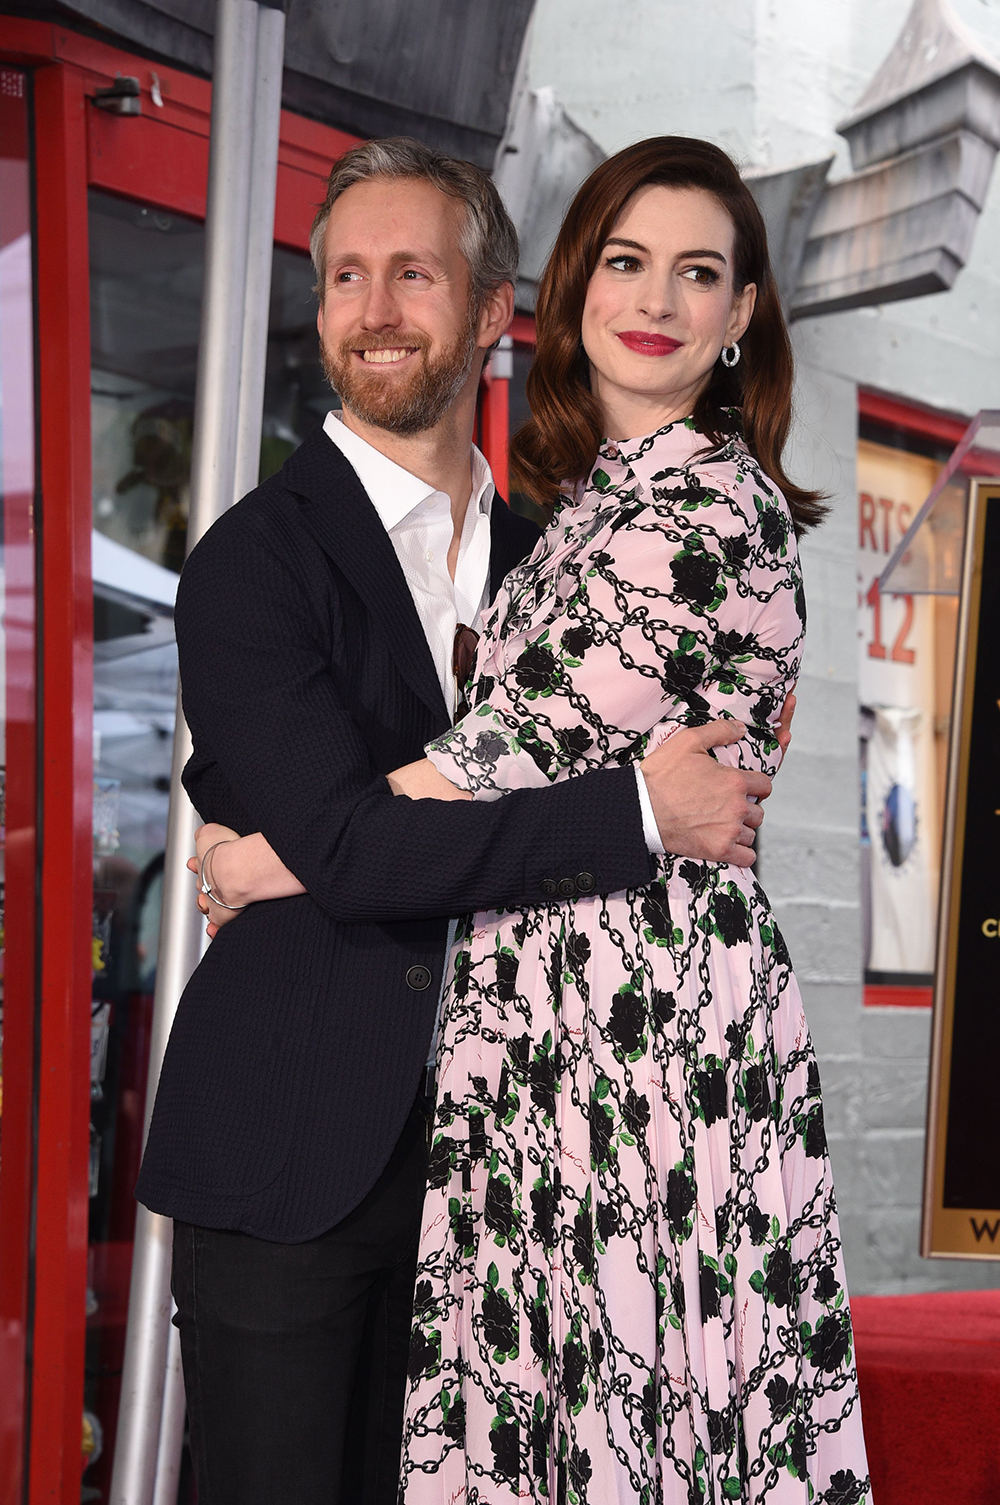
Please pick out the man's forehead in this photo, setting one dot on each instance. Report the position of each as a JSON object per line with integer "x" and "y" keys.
{"x": 379, "y": 244}
{"x": 385, "y": 203}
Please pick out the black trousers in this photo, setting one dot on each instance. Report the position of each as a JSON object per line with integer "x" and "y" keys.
{"x": 295, "y": 1355}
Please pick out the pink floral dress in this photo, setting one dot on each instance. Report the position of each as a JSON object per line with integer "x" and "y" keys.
{"x": 631, "y": 1286}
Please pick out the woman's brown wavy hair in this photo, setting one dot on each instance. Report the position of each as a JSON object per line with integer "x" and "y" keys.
{"x": 559, "y": 443}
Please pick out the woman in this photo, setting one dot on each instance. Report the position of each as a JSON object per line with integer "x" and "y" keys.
{"x": 631, "y": 1285}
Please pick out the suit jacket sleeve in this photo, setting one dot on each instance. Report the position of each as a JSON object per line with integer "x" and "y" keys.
{"x": 261, "y": 694}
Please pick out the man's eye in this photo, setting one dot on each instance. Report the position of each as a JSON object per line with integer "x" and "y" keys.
{"x": 414, "y": 274}
{"x": 348, "y": 276}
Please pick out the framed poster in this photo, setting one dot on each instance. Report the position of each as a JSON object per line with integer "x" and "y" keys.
{"x": 962, "y": 1171}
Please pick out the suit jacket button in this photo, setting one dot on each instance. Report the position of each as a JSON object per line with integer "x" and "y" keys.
{"x": 549, "y": 887}
{"x": 567, "y": 887}
{"x": 586, "y": 883}
{"x": 418, "y": 978}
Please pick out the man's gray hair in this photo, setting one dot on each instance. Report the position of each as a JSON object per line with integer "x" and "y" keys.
{"x": 488, "y": 239}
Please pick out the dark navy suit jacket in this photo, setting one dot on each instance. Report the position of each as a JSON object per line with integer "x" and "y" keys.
{"x": 299, "y": 1043}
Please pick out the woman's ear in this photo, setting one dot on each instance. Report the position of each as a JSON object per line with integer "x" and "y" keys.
{"x": 741, "y": 313}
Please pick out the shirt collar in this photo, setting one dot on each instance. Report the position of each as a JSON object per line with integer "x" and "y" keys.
{"x": 395, "y": 492}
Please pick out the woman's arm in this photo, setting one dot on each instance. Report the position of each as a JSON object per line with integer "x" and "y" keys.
{"x": 421, "y": 781}
{"x": 677, "y": 617}
{"x": 243, "y": 870}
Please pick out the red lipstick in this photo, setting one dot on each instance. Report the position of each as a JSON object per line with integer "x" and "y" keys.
{"x": 644, "y": 343}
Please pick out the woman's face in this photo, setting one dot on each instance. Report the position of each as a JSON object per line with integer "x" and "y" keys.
{"x": 660, "y": 306}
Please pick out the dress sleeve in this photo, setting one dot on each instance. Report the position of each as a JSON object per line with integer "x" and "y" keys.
{"x": 685, "y": 607}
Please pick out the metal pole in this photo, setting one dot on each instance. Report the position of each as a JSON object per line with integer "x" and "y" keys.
{"x": 168, "y": 1459}
{"x": 229, "y": 231}
{"x": 263, "y": 180}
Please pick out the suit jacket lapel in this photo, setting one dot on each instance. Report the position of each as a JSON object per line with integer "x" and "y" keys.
{"x": 340, "y": 515}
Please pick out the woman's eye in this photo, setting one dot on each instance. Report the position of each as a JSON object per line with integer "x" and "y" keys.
{"x": 623, "y": 263}
{"x": 707, "y": 276}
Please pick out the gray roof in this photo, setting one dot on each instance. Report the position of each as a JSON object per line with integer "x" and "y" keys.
{"x": 441, "y": 70}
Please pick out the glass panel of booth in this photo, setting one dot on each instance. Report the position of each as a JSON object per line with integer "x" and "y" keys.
{"x": 145, "y": 288}
{"x": 17, "y": 752}
{"x": 913, "y": 502}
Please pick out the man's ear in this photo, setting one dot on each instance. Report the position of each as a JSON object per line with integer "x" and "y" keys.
{"x": 495, "y": 315}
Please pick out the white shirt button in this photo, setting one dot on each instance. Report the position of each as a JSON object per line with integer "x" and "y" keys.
{"x": 429, "y": 556}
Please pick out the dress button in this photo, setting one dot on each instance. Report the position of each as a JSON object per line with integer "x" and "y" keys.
{"x": 549, "y": 887}
{"x": 586, "y": 883}
{"x": 418, "y": 978}
{"x": 567, "y": 887}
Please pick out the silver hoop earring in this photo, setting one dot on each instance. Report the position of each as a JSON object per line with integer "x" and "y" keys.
{"x": 730, "y": 355}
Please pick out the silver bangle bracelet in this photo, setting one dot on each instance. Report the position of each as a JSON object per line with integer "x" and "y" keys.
{"x": 206, "y": 887}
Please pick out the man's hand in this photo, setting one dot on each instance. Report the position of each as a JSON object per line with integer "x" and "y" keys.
{"x": 703, "y": 809}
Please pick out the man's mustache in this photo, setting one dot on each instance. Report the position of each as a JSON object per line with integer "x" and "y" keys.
{"x": 397, "y": 340}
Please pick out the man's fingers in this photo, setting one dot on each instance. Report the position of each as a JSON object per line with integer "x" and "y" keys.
{"x": 754, "y": 817}
{"x": 716, "y": 733}
{"x": 741, "y": 856}
{"x": 192, "y": 864}
{"x": 756, "y": 784}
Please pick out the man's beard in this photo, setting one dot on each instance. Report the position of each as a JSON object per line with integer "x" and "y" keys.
{"x": 402, "y": 407}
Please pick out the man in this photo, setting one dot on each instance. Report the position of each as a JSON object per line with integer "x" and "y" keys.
{"x": 316, "y": 626}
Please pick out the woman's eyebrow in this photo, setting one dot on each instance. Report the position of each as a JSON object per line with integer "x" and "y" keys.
{"x": 635, "y": 245}
{"x": 716, "y": 255}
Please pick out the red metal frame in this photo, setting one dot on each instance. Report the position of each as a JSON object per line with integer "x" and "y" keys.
{"x": 161, "y": 157}
{"x": 943, "y": 428}
{"x": 20, "y": 849}
{"x": 878, "y": 407}
{"x": 67, "y": 777}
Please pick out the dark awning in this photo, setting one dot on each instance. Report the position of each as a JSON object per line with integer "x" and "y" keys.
{"x": 441, "y": 70}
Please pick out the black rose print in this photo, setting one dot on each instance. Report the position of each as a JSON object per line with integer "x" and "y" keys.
{"x": 680, "y": 1198}
{"x": 627, "y": 1022}
{"x": 773, "y": 529}
{"x": 505, "y": 1444}
{"x": 536, "y": 668}
{"x": 576, "y": 640}
{"x": 696, "y": 577}
{"x": 732, "y": 919}
{"x": 829, "y": 1346}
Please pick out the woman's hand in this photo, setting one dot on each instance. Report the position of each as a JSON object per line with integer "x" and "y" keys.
{"x": 421, "y": 781}
{"x": 206, "y": 837}
{"x": 243, "y": 870}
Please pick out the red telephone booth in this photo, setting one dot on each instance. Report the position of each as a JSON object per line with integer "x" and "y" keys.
{"x": 101, "y": 242}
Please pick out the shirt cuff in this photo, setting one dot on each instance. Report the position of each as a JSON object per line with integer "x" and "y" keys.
{"x": 649, "y": 828}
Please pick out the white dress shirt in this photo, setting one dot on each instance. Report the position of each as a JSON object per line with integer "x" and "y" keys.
{"x": 418, "y": 521}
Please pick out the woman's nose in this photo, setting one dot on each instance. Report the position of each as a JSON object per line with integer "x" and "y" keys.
{"x": 657, "y": 302}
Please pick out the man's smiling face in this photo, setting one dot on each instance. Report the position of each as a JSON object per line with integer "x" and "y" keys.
{"x": 397, "y": 326}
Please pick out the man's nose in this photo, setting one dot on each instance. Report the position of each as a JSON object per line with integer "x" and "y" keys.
{"x": 381, "y": 310}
